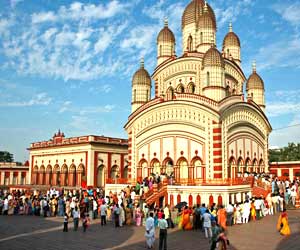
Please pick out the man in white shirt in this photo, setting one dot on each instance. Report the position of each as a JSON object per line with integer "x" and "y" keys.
{"x": 229, "y": 212}
{"x": 207, "y": 224}
{"x": 163, "y": 225}
{"x": 257, "y": 205}
{"x": 150, "y": 231}
{"x": 103, "y": 211}
{"x": 76, "y": 216}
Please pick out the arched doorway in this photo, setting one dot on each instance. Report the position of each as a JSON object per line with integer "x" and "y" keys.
{"x": 247, "y": 165}
{"x": 42, "y": 174}
{"x": 114, "y": 173}
{"x": 64, "y": 175}
{"x": 35, "y": 175}
{"x": 261, "y": 166}
{"x": 240, "y": 165}
{"x": 183, "y": 169}
{"x": 211, "y": 200}
{"x": 156, "y": 167}
{"x": 80, "y": 175}
{"x": 178, "y": 198}
{"x": 101, "y": 176}
{"x": 72, "y": 176}
{"x": 190, "y": 200}
{"x": 220, "y": 200}
{"x": 198, "y": 199}
{"x": 198, "y": 169}
{"x": 125, "y": 172}
{"x": 180, "y": 88}
{"x": 170, "y": 93}
{"x": 254, "y": 166}
{"x": 56, "y": 175}
{"x": 168, "y": 167}
{"x": 231, "y": 170}
{"x": 49, "y": 175}
{"x": 191, "y": 88}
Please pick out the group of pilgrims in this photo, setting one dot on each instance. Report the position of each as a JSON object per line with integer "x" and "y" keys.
{"x": 122, "y": 209}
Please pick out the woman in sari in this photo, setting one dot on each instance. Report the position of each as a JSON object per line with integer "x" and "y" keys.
{"x": 283, "y": 223}
{"x": 186, "y": 222}
{"x": 222, "y": 217}
{"x": 128, "y": 215}
{"x": 253, "y": 212}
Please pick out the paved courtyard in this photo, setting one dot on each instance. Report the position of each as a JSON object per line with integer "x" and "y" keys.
{"x": 24, "y": 232}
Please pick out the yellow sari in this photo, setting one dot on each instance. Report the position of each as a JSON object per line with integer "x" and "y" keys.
{"x": 283, "y": 224}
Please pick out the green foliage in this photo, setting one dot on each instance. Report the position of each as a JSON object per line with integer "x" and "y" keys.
{"x": 289, "y": 153}
{"x": 6, "y": 156}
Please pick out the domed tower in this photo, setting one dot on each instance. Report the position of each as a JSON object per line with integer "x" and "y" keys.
{"x": 255, "y": 88}
{"x": 141, "y": 87}
{"x": 165, "y": 44}
{"x": 213, "y": 75}
{"x": 232, "y": 46}
{"x": 198, "y": 26}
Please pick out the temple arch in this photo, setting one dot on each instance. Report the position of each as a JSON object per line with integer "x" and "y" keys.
{"x": 100, "y": 176}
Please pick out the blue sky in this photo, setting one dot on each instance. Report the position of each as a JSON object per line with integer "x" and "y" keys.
{"x": 69, "y": 64}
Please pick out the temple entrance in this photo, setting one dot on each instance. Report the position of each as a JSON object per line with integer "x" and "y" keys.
{"x": 100, "y": 176}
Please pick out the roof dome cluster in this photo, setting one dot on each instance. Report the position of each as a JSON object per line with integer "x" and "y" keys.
{"x": 213, "y": 58}
{"x": 141, "y": 76}
{"x": 166, "y": 35}
{"x": 199, "y": 12}
{"x": 255, "y": 81}
{"x": 231, "y": 39}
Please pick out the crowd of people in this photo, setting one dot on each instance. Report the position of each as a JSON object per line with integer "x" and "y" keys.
{"x": 124, "y": 209}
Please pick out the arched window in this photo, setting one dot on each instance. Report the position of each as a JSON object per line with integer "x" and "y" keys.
{"x": 190, "y": 43}
{"x": 114, "y": 172}
{"x": 191, "y": 88}
{"x": 170, "y": 93}
{"x": 180, "y": 88}
{"x": 208, "y": 78}
{"x": 101, "y": 176}
{"x": 134, "y": 95}
{"x": 231, "y": 170}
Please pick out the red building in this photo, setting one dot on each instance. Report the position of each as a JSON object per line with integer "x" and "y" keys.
{"x": 288, "y": 169}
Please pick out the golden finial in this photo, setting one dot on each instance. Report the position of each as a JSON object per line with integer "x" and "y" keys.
{"x": 166, "y": 22}
{"x": 205, "y": 8}
{"x": 254, "y": 66}
{"x": 230, "y": 26}
{"x": 142, "y": 62}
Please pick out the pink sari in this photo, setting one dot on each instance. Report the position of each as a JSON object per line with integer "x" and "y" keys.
{"x": 138, "y": 217}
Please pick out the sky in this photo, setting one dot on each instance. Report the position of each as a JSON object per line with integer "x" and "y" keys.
{"x": 68, "y": 65}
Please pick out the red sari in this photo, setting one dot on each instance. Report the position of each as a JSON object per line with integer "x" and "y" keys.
{"x": 186, "y": 222}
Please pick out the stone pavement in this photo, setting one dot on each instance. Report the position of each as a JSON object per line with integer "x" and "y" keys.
{"x": 30, "y": 233}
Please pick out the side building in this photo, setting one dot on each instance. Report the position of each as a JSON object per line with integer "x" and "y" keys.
{"x": 12, "y": 174}
{"x": 78, "y": 161}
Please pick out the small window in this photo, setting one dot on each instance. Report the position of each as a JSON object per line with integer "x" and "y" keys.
{"x": 134, "y": 95}
{"x": 208, "y": 78}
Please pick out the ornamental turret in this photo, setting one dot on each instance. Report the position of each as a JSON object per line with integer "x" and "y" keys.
{"x": 198, "y": 27}
{"x": 141, "y": 87}
{"x": 213, "y": 74}
{"x": 165, "y": 44}
{"x": 232, "y": 46}
{"x": 255, "y": 88}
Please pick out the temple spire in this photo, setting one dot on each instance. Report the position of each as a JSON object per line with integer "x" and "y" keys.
{"x": 230, "y": 26}
{"x": 166, "y": 22}
{"x": 142, "y": 63}
{"x": 254, "y": 66}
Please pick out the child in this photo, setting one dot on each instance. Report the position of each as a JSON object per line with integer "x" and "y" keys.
{"x": 66, "y": 218}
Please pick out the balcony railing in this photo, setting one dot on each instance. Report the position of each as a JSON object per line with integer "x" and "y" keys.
{"x": 117, "y": 181}
{"x": 205, "y": 182}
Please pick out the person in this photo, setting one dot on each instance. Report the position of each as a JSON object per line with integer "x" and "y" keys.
{"x": 229, "y": 212}
{"x": 207, "y": 224}
{"x": 66, "y": 218}
{"x": 122, "y": 215}
{"x": 85, "y": 221}
{"x": 186, "y": 222}
{"x": 216, "y": 230}
{"x": 103, "y": 212}
{"x": 246, "y": 211}
{"x": 283, "y": 223}
{"x": 117, "y": 215}
{"x": 150, "y": 231}
{"x": 138, "y": 215}
{"x": 163, "y": 226}
{"x": 222, "y": 217}
{"x": 76, "y": 216}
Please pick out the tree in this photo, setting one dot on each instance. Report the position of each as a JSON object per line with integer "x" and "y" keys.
{"x": 6, "y": 156}
{"x": 289, "y": 153}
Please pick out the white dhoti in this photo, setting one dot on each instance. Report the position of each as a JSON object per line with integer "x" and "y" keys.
{"x": 150, "y": 238}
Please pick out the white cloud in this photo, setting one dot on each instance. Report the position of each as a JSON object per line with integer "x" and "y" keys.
{"x": 106, "y": 88}
{"x": 65, "y": 107}
{"x": 40, "y": 99}
{"x": 290, "y": 133}
{"x": 282, "y": 53}
{"x": 286, "y": 102}
{"x": 289, "y": 12}
{"x": 91, "y": 110}
{"x": 79, "y": 11}
{"x": 232, "y": 12}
